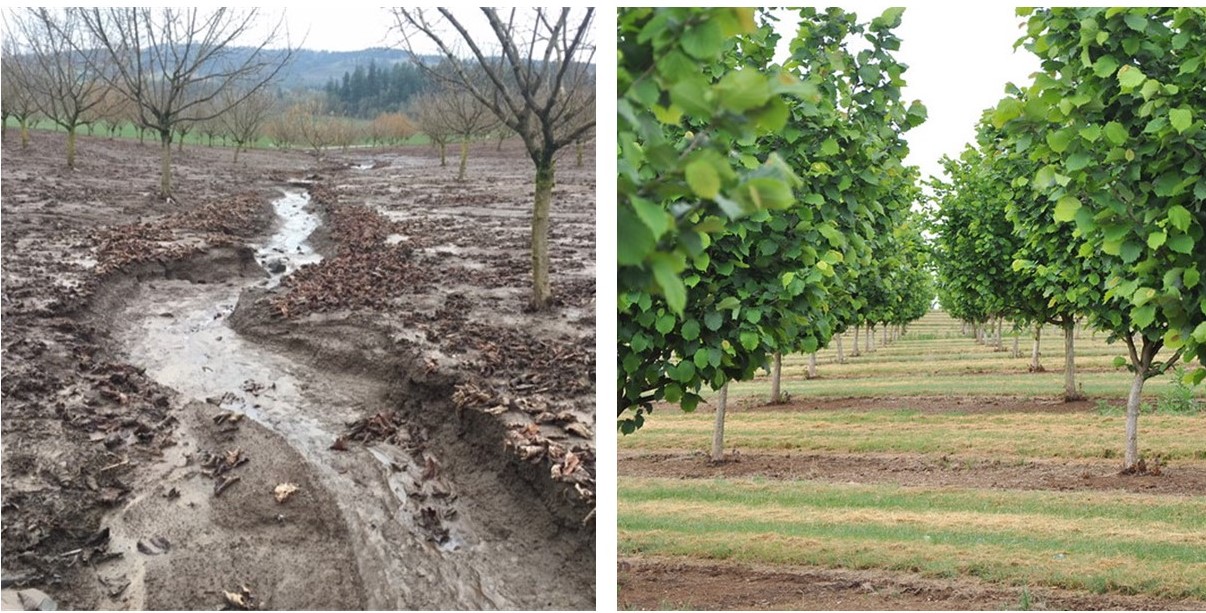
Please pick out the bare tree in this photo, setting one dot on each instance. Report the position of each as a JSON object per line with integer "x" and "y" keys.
{"x": 466, "y": 118}
{"x": 426, "y": 110}
{"x": 160, "y": 54}
{"x": 62, "y": 69}
{"x": 392, "y": 128}
{"x": 245, "y": 120}
{"x": 542, "y": 55}
{"x": 18, "y": 98}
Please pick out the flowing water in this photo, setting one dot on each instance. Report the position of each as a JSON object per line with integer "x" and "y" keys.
{"x": 177, "y": 331}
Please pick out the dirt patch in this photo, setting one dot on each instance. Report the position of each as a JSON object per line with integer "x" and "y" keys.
{"x": 969, "y": 405}
{"x": 663, "y": 583}
{"x": 922, "y": 470}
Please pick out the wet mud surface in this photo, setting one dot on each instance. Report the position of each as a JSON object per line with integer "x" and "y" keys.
{"x": 303, "y": 384}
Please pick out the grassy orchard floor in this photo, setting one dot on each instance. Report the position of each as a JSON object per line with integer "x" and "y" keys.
{"x": 933, "y": 473}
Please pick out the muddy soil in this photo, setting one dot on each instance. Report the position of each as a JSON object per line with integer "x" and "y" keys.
{"x": 1187, "y": 478}
{"x": 246, "y": 398}
{"x": 655, "y": 583}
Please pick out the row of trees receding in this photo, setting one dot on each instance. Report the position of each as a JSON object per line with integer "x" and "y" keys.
{"x": 172, "y": 71}
{"x": 1083, "y": 197}
{"x": 763, "y": 207}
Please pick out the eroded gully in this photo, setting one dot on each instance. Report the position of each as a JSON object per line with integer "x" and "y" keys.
{"x": 177, "y": 331}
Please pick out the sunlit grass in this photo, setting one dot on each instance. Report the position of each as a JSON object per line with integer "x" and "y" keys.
{"x": 1093, "y": 541}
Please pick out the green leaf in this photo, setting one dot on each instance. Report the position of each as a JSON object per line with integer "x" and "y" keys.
{"x": 690, "y": 329}
{"x": 690, "y": 402}
{"x": 1144, "y": 315}
{"x": 1155, "y": 239}
{"x": 1180, "y": 119}
{"x": 750, "y": 340}
{"x": 1143, "y": 296}
{"x": 1181, "y": 243}
{"x": 1130, "y": 251}
{"x": 829, "y": 147}
{"x": 635, "y": 240}
{"x": 1058, "y": 141}
{"x": 1191, "y": 277}
{"x": 666, "y": 276}
{"x": 1130, "y": 77}
{"x": 1179, "y": 217}
{"x": 657, "y": 219}
{"x": 1105, "y": 66}
{"x": 1119, "y": 361}
{"x": 1065, "y": 209}
{"x": 1199, "y": 333}
{"x": 703, "y": 179}
{"x": 742, "y": 90}
{"x": 1091, "y": 133}
{"x": 1078, "y": 161}
{"x": 704, "y": 41}
{"x": 1045, "y": 177}
{"x": 665, "y": 323}
{"x": 728, "y": 303}
{"x": 713, "y": 320}
{"x": 1135, "y": 21}
{"x": 1115, "y": 133}
{"x": 1007, "y": 109}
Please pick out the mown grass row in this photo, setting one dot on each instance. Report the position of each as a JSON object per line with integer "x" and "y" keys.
{"x": 1099, "y": 541}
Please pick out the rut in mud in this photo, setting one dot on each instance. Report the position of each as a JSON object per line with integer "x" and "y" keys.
{"x": 425, "y": 530}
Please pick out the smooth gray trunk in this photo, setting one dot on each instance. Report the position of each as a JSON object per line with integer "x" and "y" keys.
{"x": 1035, "y": 366}
{"x": 841, "y": 357}
{"x": 812, "y": 365}
{"x": 886, "y": 333}
{"x": 1017, "y": 350}
{"x": 1070, "y": 392}
{"x": 1131, "y": 457}
{"x": 722, "y": 401}
{"x": 870, "y": 338}
{"x": 776, "y": 377}
{"x": 854, "y": 352}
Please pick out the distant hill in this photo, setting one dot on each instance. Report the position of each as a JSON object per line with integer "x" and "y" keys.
{"x": 313, "y": 69}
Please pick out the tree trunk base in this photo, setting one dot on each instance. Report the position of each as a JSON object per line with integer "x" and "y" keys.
{"x": 1036, "y": 369}
{"x": 1074, "y": 397}
{"x": 1143, "y": 468}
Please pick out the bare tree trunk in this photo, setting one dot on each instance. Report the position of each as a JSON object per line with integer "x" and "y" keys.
{"x": 812, "y": 365}
{"x": 870, "y": 338}
{"x": 886, "y": 328}
{"x": 1070, "y": 392}
{"x": 1035, "y": 366}
{"x": 722, "y": 401}
{"x": 71, "y": 148}
{"x": 443, "y": 160}
{"x": 1000, "y": 327}
{"x": 460, "y": 176}
{"x": 776, "y": 377}
{"x": 165, "y": 169}
{"x": 854, "y": 352}
{"x": 578, "y": 147}
{"x": 541, "y": 292}
{"x": 24, "y": 123}
{"x": 963, "y": 328}
{"x": 841, "y": 356}
{"x": 1017, "y": 350}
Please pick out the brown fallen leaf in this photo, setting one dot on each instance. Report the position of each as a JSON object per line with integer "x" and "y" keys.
{"x": 340, "y": 444}
{"x": 283, "y": 491}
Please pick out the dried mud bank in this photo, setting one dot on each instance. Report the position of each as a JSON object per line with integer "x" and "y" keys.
{"x": 154, "y": 481}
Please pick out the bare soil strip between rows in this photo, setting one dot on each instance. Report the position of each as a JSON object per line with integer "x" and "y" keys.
{"x": 1184, "y": 478}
